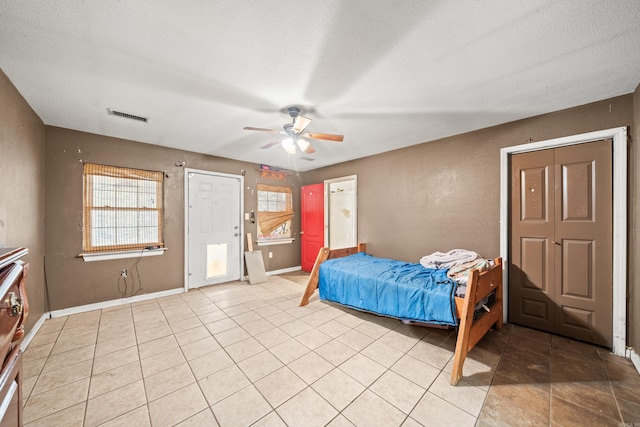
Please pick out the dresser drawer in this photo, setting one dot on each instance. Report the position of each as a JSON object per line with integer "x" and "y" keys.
{"x": 11, "y": 390}
{"x": 12, "y": 305}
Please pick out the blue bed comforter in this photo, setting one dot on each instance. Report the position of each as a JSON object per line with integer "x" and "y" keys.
{"x": 388, "y": 287}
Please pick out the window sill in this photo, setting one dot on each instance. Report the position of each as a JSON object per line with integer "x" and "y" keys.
{"x": 268, "y": 242}
{"x": 104, "y": 256}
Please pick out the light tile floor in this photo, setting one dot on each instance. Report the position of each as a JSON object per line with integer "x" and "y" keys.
{"x": 239, "y": 355}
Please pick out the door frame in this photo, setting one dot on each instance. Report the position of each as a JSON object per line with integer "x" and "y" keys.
{"x": 187, "y": 171}
{"x": 327, "y": 191}
{"x": 619, "y": 137}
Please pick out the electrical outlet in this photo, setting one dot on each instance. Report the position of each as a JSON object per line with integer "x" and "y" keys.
{"x": 270, "y": 254}
{"x": 123, "y": 273}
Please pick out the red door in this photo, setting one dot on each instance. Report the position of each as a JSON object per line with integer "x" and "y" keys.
{"x": 312, "y": 219}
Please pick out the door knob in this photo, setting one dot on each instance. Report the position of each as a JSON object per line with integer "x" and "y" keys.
{"x": 301, "y": 233}
{"x": 556, "y": 243}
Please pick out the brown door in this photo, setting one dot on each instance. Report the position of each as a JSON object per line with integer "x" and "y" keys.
{"x": 531, "y": 288}
{"x": 560, "y": 276}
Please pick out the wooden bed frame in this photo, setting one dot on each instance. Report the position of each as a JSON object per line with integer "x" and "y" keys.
{"x": 470, "y": 330}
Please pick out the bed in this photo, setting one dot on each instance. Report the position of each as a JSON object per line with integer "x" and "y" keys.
{"x": 440, "y": 307}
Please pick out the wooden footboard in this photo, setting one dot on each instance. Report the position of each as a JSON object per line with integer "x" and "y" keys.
{"x": 470, "y": 331}
{"x": 479, "y": 285}
{"x": 323, "y": 255}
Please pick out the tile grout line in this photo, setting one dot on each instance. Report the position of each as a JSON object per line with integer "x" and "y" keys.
{"x": 282, "y": 302}
{"x": 493, "y": 377}
{"x": 307, "y": 386}
{"x": 86, "y": 404}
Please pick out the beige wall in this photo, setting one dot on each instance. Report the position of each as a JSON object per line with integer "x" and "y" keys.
{"x": 73, "y": 282}
{"x": 409, "y": 200}
{"x": 22, "y": 140}
{"x": 445, "y": 194}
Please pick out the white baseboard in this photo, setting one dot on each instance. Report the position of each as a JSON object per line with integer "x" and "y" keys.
{"x": 276, "y": 272}
{"x": 89, "y": 307}
{"x": 635, "y": 358}
{"x": 32, "y": 333}
{"x": 114, "y": 303}
{"x": 284, "y": 270}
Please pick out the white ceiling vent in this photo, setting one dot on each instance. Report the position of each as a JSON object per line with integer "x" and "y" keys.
{"x": 124, "y": 115}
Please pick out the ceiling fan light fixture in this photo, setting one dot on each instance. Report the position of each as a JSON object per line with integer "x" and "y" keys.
{"x": 303, "y": 144}
{"x": 300, "y": 123}
{"x": 295, "y": 134}
{"x": 289, "y": 146}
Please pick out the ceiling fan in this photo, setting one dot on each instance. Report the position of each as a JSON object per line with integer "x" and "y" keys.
{"x": 295, "y": 134}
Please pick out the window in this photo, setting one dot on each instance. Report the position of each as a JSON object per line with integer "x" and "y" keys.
{"x": 122, "y": 208}
{"x": 275, "y": 210}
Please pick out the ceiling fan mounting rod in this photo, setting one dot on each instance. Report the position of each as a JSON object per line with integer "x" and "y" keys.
{"x": 293, "y": 112}
{"x": 288, "y": 128}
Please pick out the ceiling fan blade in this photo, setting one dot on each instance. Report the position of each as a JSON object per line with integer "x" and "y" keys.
{"x": 269, "y": 145}
{"x": 325, "y": 136}
{"x": 300, "y": 123}
{"x": 265, "y": 130}
{"x": 310, "y": 150}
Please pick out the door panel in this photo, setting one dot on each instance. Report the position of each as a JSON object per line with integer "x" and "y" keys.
{"x": 560, "y": 276}
{"x": 213, "y": 229}
{"x": 576, "y": 189}
{"x": 534, "y": 194}
{"x": 312, "y": 222}
{"x": 530, "y": 270}
{"x": 579, "y": 265}
{"x": 534, "y": 262}
{"x": 533, "y": 310}
{"x": 583, "y": 227}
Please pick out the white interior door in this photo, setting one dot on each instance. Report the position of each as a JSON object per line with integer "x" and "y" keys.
{"x": 214, "y": 228}
{"x": 341, "y": 213}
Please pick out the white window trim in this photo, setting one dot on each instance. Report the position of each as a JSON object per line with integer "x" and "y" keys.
{"x": 104, "y": 256}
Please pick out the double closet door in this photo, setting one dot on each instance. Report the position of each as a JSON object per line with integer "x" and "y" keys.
{"x": 560, "y": 274}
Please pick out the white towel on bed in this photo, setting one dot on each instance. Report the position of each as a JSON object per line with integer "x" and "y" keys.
{"x": 460, "y": 272}
{"x": 448, "y": 259}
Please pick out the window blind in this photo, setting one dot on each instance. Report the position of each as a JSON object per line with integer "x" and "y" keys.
{"x": 123, "y": 208}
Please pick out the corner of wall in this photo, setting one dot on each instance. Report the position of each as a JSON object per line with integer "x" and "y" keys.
{"x": 634, "y": 231}
{"x": 22, "y": 138}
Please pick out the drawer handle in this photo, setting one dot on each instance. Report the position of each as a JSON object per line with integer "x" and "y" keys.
{"x": 13, "y": 303}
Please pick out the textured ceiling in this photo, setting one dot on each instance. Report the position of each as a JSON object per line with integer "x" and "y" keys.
{"x": 386, "y": 74}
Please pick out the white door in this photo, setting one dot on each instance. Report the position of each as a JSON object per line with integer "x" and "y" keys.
{"x": 341, "y": 212}
{"x": 214, "y": 234}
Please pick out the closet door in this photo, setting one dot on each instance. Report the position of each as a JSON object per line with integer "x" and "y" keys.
{"x": 531, "y": 278}
{"x": 560, "y": 275}
{"x": 584, "y": 249}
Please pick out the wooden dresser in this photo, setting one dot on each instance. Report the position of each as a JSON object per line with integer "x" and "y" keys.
{"x": 13, "y": 312}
